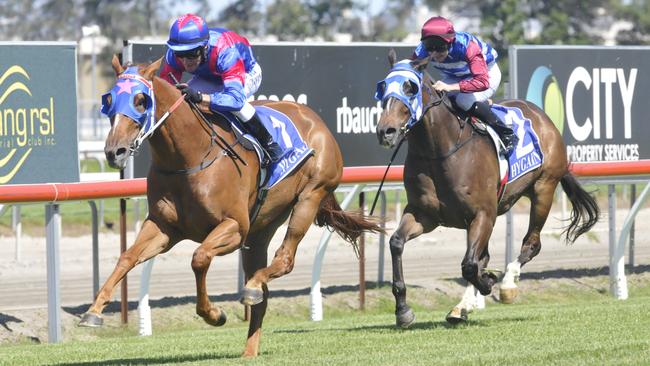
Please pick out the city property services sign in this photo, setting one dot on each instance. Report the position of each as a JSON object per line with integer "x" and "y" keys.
{"x": 596, "y": 97}
{"x": 38, "y": 113}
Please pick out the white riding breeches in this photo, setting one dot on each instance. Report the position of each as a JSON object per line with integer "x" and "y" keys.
{"x": 466, "y": 100}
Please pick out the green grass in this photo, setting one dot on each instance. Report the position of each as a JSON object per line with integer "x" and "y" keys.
{"x": 562, "y": 325}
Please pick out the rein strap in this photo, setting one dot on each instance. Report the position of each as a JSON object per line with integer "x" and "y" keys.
{"x": 143, "y": 136}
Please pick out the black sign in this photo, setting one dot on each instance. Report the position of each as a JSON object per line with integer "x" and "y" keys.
{"x": 337, "y": 81}
{"x": 594, "y": 95}
{"x": 38, "y": 113}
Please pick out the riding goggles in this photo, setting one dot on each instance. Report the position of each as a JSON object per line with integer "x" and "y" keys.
{"x": 193, "y": 53}
{"x": 435, "y": 44}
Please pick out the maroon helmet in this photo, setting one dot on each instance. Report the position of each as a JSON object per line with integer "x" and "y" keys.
{"x": 439, "y": 27}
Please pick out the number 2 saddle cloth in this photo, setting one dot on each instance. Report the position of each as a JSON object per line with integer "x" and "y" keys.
{"x": 526, "y": 156}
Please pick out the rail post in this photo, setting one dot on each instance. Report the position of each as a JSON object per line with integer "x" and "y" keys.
{"x": 53, "y": 230}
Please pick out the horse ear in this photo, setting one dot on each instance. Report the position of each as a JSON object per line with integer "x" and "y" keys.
{"x": 117, "y": 67}
{"x": 392, "y": 57}
{"x": 421, "y": 64}
{"x": 150, "y": 71}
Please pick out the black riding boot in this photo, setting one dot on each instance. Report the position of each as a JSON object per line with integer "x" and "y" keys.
{"x": 273, "y": 150}
{"x": 483, "y": 111}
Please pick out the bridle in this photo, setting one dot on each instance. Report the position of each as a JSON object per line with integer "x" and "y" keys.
{"x": 148, "y": 124}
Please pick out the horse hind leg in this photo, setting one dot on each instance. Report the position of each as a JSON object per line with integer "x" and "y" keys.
{"x": 150, "y": 242}
{"x": 540, "y": 206}
{"x": 302, "y": 216}
{"x": 412, "y": 225}
{"x": 224, "y": 239}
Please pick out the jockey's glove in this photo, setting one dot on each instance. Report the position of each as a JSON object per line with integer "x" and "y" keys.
{"x": 191, "y": 95}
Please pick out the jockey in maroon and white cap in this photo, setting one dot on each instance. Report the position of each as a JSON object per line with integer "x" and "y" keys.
{"x": 470, "y": 72}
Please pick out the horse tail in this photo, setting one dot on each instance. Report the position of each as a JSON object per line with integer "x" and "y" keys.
{"x": 585, "y": 211}
{"x": 348, "y": 225}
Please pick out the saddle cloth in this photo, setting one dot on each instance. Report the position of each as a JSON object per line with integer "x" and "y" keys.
{"x": 527, "y": 155}
{"x": 285, "y": 133}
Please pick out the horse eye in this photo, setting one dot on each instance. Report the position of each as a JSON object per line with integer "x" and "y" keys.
{"x": 140, "y": 103}
{"x": 409, "y": 89}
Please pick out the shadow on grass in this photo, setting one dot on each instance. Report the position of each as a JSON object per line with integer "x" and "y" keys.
{"x": 566, "y": 273}
{"x": 423, "y": 325}
{"x": 114, "y": 306}
{"x": 4, "y": 319}
{"x": 154, "y": 360}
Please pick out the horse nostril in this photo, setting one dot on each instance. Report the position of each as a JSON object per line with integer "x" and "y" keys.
{"x": 390, "y": 132}
{"x": 120, "y": 151}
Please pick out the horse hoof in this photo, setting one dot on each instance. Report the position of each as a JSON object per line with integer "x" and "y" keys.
{"x": 252, "y": 296}
{"x": 405, "y": 318}
{"x": 91, "y": 320}
{"x": 508, "y": 295}
{"x": 456, "y": 316}
{"x": 221, "y": 320}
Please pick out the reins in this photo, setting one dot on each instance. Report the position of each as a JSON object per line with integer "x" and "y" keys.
{"x": 215, "y": 139}
{"x": 442, "y": 99}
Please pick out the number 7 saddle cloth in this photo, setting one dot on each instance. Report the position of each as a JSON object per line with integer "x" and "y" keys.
{"x": 285, "y": 133}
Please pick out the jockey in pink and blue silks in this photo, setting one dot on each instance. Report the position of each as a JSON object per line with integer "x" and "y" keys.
{"x": 470, "y": 72}
{"x": 225, "y": 72}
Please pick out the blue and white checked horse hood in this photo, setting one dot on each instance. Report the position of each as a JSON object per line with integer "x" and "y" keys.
{"x": 393, "y": 86}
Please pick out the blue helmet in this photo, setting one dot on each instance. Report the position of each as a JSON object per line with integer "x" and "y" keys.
{"x": 188, "y": 32}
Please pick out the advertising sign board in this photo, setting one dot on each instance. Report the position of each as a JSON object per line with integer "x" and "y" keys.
{"x": 38, "y": 113}
{"x": 594, "y": 95}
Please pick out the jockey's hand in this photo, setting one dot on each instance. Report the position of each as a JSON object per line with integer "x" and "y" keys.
{"x": 191, "y": 95}
{"x": 441, "y": 86}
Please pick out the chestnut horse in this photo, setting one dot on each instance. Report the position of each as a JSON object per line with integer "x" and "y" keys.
{"x": 451, "y": 177}
{"x": 211, "y": 203}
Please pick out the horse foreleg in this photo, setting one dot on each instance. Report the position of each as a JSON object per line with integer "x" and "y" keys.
{"x": 302, "y": 216}
{"x": 477, "y": 256}
{"x": 224, "y": 239}
{"x": 471, "y": 300}
{"x": 150, "y": 242}
{"x": 540, "y": 206}
{"x": 411, "y": 226}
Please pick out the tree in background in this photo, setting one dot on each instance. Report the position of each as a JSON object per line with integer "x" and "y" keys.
{"x": 503, "y": 22}
{"x": 394, "y": 23}
{"x": 289, "y": 20}
{"x": 637, "y": 12}
{"x": 242, "y": 16}
{"x": 328, "y": 16}
{"x": 519, "y": 22}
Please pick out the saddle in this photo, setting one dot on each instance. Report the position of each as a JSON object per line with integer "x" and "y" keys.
{"x": 479, "y": 126}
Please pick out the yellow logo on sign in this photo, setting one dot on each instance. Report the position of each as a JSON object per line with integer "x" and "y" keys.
{"x": 21, "y": 127}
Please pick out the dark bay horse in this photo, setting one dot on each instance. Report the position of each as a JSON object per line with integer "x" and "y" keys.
{"x": 211, "y": 205}
{"x": 451, "y": 177}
